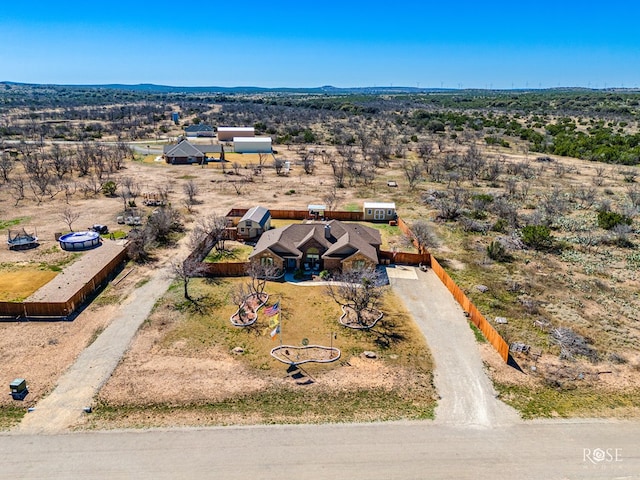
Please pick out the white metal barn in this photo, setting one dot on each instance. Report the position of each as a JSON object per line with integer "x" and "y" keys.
{"x": 252, "y": 144}
{"x": 228, "y": 133}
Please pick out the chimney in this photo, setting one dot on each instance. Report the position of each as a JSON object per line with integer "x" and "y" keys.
{"x": 327, "y": 232}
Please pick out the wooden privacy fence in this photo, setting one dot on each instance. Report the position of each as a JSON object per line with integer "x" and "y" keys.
{"x": 302, "y": 214}
{"x": 68, "y": 306}
{"x": 475, "y": 316}
{"x": 234, "y": 269}
{"x": 405, "y": 257}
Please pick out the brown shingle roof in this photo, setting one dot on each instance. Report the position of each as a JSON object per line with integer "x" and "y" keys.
{"x": 345, "y": 239}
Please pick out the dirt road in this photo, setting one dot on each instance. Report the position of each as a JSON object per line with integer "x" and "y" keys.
{"x": 79, "y": 384}
{"x": 466, "y": 394}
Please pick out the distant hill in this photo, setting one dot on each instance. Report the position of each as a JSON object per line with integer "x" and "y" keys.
{"x": 150, "y": 87}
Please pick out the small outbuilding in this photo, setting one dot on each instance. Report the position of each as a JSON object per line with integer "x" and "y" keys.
{"x": 252, "y": 145}
{"x": 379, "y": 211}
{"x": 226, "y": 134}
{"x": 199, "y": 130}
{"x": 254, "y": 223}
{"x": 316, "y": 211}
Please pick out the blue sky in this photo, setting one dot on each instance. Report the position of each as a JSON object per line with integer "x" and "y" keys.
{"x": 306, "y": 44}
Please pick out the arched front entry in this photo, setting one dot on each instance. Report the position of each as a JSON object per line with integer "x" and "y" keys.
{"x": 312, "y": 259}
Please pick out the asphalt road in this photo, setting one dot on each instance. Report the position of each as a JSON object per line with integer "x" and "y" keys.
{"x": 412, "y": 450}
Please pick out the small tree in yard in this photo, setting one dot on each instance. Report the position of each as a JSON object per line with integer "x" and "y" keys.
{"x": 259, "y": 274}
{"x": 184, "y": 271}
{"x": 359, "y": 289}
{"x": 69, "y": 216}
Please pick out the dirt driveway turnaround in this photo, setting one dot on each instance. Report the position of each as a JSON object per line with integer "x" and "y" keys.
{"x": 466, "y": 394}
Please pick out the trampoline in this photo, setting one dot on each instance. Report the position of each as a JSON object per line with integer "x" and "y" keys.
{"x": 79, "y": 240}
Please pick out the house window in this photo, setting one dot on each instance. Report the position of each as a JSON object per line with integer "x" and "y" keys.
{"x": 266, "y": 261}
{"x": 358, "y": 264}
{"x": 242, "y": 229}
{"x": 369, "y": 211}
{"x": 389, "y": 212}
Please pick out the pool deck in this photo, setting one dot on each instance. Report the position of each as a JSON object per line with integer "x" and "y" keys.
{"x": 76, "y": 275}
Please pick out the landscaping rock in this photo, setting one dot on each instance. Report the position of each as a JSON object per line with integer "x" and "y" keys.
{"x": 482, "y": 288}
{"x": 238, "y": 350}
{"x": 369, "y": 354}
{"x": 501, "y": 320}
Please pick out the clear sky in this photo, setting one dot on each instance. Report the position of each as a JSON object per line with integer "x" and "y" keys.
{"x": 499, "y": 44}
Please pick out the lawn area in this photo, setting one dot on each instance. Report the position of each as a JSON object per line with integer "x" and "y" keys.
{"x": 392, "y": 237}
{"x": 233, "y": 252}
{"x": 397, "y": 384}
{"x": 16, "y": 284}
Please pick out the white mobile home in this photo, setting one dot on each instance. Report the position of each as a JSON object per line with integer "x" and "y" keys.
{"x": 252, "y": 144}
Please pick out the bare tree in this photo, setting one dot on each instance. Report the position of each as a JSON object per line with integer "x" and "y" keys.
{"x": 184, "y": 271}
{"x": 60, "y": 161}
{"x": 360, "y": 289}
{"x": 423, "y": 234}
{"x": 191, "y": 190}
{"x": 17, "y": 185}
{"x": 213, "y": 229}
{"x": 413, "y": 173}
{"x": 7, "y": 164}
{"x": 331, "y": 198}
{"x": 69, "y": 216}
{"x": 258, "y": 274}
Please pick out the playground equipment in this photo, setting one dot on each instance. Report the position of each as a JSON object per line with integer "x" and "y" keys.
{"x": 21, "y": 240}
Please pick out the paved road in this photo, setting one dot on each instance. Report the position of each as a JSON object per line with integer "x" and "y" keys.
{"x": 467, "y": 396}
{"x": 411, "y": 450}
{"x": 93, "y": 367}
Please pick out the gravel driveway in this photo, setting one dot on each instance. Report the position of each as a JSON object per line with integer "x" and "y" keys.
{"x": 466, "y": 394}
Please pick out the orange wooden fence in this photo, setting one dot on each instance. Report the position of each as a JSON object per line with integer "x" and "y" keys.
{"x": 492, "y": 336}
{"x": 68, "y": 306}
{"x": 302, "y": 214}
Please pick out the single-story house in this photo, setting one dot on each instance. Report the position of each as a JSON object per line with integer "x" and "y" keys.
{"x": 316, "y": 246}
{"x": 254, "y": 223}
{"x": 379, "y": 211}
{"x": 226, "y": 134}
{"x": 199, "y": 130}
{"x": 252, "y": 145}
{"x": 185, "y": 153}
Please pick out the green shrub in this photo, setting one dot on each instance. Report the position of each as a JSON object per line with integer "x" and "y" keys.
{"x": 537, "y": 237}
{"x": 109, "y": 188}
{"x": 608, "y": 220}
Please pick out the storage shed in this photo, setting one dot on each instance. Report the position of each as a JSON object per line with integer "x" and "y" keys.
{"x": 228, "y": 133}
{"x": 379, "y": 211}
{"x": 252, "y": 144}
{"x": 254, "y": 223}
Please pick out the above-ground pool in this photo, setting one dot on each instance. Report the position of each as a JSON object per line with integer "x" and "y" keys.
{"x": 79, "y": 240}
